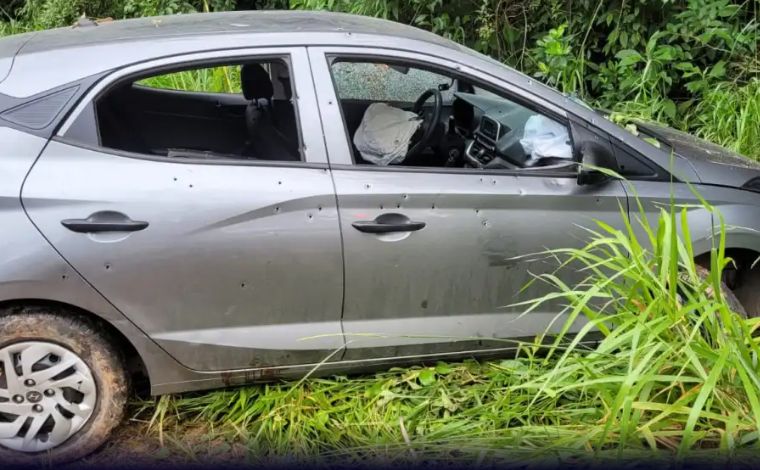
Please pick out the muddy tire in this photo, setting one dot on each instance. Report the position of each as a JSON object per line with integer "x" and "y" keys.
{"x": 748, "y": 291}
{"x": 731, "y": 299}
{"x": 63, "y": 386}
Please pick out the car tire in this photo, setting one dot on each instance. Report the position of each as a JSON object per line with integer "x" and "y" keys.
{"x": 731, "y": 299}
{"x": 82, "y": 391}
{"x": 747, "y": 291}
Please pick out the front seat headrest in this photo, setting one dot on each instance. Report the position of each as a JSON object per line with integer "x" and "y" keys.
{"x": 255, "y": 82}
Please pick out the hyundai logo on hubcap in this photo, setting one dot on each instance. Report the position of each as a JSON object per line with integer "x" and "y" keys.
{"x": 34, "y": 397}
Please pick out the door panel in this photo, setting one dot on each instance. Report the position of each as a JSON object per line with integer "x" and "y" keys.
{"x": 238, "y": 265}
{"x": 450, "y": 285}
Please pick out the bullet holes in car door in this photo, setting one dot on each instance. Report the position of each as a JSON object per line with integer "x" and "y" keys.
{"x": 445, "y": 266}
{"x": 236, "y": 262}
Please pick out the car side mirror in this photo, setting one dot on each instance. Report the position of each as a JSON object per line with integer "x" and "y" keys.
{"x": 593, "y": 156}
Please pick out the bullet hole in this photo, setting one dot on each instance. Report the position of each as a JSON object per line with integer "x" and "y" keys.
{"x": 481, "y": 180}
{"x": 398, "y": 206}
{"x": 329, "y": 102}
{"x": 190, "y": 185}
{"x": 367, "y": 186}
{"x": 381, "y": 207}
{"x": 108, "y": 266}
{"x": 63, "y": 277}
{"x": 175, "y": 178}
{"x": 477, "y": 211}
{"x": 242, "y": 285}
{"x": 277, "y": 209}
{"x": 485, "y": 223}
{"x": 319, "y": 208}
{"x": 279, "y": 182}
{"x": 424, "y": 304}
{"x": 432, "y": 206}
{"x": 310, "y": 216}
{"x": 405, "y": 196}
{"x": 493, "y": 181}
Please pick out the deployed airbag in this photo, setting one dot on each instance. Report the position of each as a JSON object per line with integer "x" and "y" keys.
{"x": 384, "y": 134}
{"x": 544, "y": 137}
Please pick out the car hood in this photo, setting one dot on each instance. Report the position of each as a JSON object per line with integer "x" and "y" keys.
{"x": 714, "y": 164}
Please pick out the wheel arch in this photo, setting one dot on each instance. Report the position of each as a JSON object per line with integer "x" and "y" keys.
{"x": 136, "y": 366}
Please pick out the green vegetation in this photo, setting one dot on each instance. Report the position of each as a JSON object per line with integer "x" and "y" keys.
{"x": 676, "y": 370}
{"x": 224, "y": 79}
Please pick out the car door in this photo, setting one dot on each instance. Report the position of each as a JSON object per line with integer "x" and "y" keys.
{"x": 450, "y": 286}
{"x": 226, "y": 263}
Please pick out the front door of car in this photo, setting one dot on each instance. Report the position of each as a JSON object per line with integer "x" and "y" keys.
{"x": 447, "y": 282}
{"x": 226, "y": 261}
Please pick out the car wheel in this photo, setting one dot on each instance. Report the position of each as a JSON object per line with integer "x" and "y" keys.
{"x": 731, "y": 299}
{"x": 747, "y": 291}
{"x": 63, "y": 387}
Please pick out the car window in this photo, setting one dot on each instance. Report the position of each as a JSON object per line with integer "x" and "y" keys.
{"x": 210, "y": 80}
{"x": 385, "y": 82}
{"x": 236, "y": 111}
{"x": 477, "y": 127}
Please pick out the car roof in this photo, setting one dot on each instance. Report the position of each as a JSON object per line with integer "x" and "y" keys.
{"x": 233, "y": 22}
{"x": 88, "y": 49}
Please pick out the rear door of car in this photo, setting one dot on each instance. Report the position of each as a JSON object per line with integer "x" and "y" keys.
{"x": 238, "y": 263}
{"x": 449, "y": 287}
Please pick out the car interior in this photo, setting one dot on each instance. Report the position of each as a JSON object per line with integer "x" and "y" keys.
{"x": 256, "y": 121}
{"x": 395, "y": 114}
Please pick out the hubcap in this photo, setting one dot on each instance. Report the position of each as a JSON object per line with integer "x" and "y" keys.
{"x": 47, "y": 394}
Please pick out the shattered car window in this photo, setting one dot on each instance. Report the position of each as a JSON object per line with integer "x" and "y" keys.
{"x": 383, "y": 82}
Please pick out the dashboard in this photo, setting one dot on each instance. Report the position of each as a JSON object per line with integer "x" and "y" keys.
{"x": 496, "y": 141}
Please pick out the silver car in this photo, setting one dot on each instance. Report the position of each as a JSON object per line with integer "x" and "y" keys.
{"x": 359, "y": 196}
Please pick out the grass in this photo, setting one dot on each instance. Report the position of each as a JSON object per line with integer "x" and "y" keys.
{"x": 730, "y": 116}
{"x": 224, "y": 79}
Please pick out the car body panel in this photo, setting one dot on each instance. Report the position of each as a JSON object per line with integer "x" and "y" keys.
{"x": 458, "y": 277}
{"x": 9, "y": 47}
{"x": 233, "y": 256}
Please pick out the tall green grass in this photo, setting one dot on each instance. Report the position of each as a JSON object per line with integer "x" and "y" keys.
{"x": 675, "y": 374}
{"x": 223, "y": 79}
{"x": 729, "y": 115}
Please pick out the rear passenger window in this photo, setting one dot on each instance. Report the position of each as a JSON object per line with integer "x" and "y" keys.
{"x": 238, "y": 111}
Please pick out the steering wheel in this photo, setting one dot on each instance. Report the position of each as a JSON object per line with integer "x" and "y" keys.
{"x": 428, "y": 125}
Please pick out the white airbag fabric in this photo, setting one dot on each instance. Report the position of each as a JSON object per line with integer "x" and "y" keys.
{"x": 544, "y": 137}
{"x": 384, "y": 134}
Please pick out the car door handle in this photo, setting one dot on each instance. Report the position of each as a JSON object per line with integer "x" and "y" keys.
{"x": 387, "y": 223}
{"x": 104, "y": 221}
